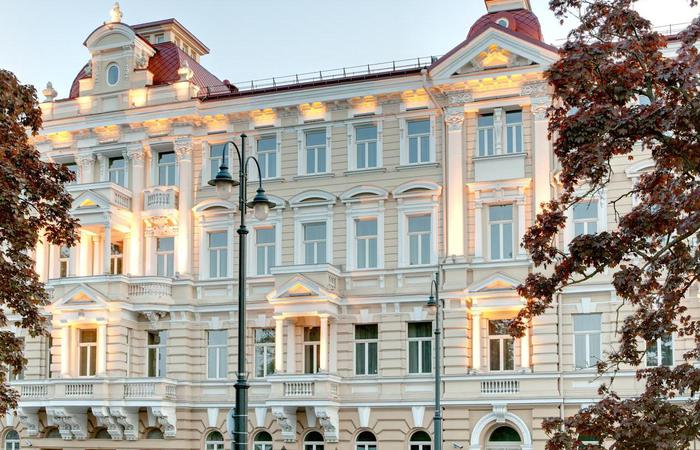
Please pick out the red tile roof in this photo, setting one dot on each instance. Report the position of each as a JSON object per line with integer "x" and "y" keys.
{"x": 521, "y": 21}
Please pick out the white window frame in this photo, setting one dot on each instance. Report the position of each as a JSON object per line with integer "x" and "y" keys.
{"x": 158, "y": 254}
{"x": 213, "y": 221}
{"x": 501, "y": 338}
{"x": 301, "y": 157}
{"x": 601, "y": 198}
{"x": 11, "y": 444}
{"x": 403, "y": 130}
{"x": 514, "y": 239}
{"x": 206, "y": 174}
{"x": 221, "y": 351}
{"x": 407, "y": 210}
{"x": 119, "y": 74}
{"x": 500, "y": 131}
{"x": 429, "y": 338}
{"x": 218, "y": 251}
{"x": 87, "y": 345}
{"x": 176, "y": 166}
{"x": 365, "y": 343}
{"x": 316, "y": 362}
{"x": 357, "y": 211}
{"x": 268, "y": 352}
{"x": 482, "y": 153}
{"x": 261, "y": 445}
{"x": 124, "y": 171}
{"x": 659, "y": 353}
{"x": 310, "y": 214}
{"x": 274, "y": 219}
{"x": 586, "y": 333}
{"x": 352, "y": 144}
{"x": 514, "y": 129}
{"x": 255, "y": 137}
{"x": 117, "y": 259}
{"x": 161, "y": 348}
{"x": 210, "y": 444}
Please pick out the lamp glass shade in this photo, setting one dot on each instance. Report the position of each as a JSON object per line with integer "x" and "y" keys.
{"x": 261, "y": 210}
{"x": 432, "y": 303}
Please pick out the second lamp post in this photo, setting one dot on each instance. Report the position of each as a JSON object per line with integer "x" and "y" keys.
{"x": 436, "y": 303}
{"x": 261, "y": 206}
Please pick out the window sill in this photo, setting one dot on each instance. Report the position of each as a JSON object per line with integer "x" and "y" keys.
{"x": 359, "y": 171}
{"x": 314, "y": 176}
{"x": 417, "y": 166}
{"x": 501, "y": 156}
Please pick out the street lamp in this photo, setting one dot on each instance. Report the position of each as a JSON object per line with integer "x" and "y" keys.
{"x": 435, "y": 303}
{"x": 261, "y": 206}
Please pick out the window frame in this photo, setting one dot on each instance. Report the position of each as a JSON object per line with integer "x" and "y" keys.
{"x": 365, "y": 445}
{"x": 120, "y": 172}
{"x": 167, "y": 166}
{"x": 11, "y": 443}
{"x": 405, "y": 138}
{"x": 268, "y": 352}
{"x": 419, "y": 445}
{"x": 486, "y": 129}
{"x": 316, "y": 345}
{"x": 601, "y": 198}
{"x": 587, "y": 333}
{"x": 116, "y": 259}
{"x": 274, "y": 220}
{"x": 659, "y": 352}
{"x": 109, "y": 67}
{"x": 501, "y": 223}
{"x": 353, "y": 142}
{"x": 366, "y": 344}
{"x": 160, "y": 350}
{"x": 91, "y": 353}
{"x": 262, "y": 445}
{"x": 420, "y": 339}
{"x": 164, "y": 254}
{"x": 409, "y": 206}
{"x": 207, "y": 159}
{"x": 304, "y": 213}
{"x": 302, "y": 150}
{"x": 210, "y": 444}
{"x": 223, "y": 253}
{"x": 501, "y": 338}
{"x": 256, "y": 138}
{"x": 221, "y": 352}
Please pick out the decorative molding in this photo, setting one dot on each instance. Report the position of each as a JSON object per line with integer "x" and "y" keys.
{"x": 167, "y": 419}
{"x": 457, "y": 98}
{"x": 129, "y": 420}
{"x": 183, "y": 149}
{"x": 287, "y": 421}
{"x": 328, "y": 419}
{"x": 29, "y": 418}
{"x": 535, "y": 89}
{"x": 105, "y": 419}
{"x": 71, "y": 425}
{"x": 154, "y": 316}
{"x": 454, "y": 121}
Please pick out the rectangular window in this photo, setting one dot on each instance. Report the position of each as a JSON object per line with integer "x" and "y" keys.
{"x": 586, "y": 340}
{"x": 660, "y": 352}
{"x": 129, "y": 333}
{"x": 63, "y": 261}
{"x": 167, "y": 164}
{"x": 11, "y": 374}
{"x": 315, "y": 243}
{"x": 267, "y": 155}
{"x": 87, "y": 341}
{"x": 366, "y": 146}
{"x": 156, "y": 349}
{"x": 116, "y": 260}
{"x": 165, "y": 256}
{"x": 366, "y": 341}
{"x": 312, "y": 349}
{"x": 485, "y": 134}
{"x": 585, "y": 218}
{"x": 216, "y": 157}
{"x": 117, "y": 171}
{"x": 366, "y": 235}
{"x": 316, "y": 160}
{"x": 264, "y": 249}
{"x": 419, "y": 228}
{"x": 264, "y": 352}
{"x": 218, "y": 254}
{"x": 49, "y": 356}
{"x": 501, "y": 231}
{"x": 419, "y": 347}
{"x": 75, "y": 170}
{"x": 514, "y": 131}
{"x": 418, "y": 141}
{"x": 159, "y": 38}
{"x": 217, "y": 353}
{"x": 501, "y": 346}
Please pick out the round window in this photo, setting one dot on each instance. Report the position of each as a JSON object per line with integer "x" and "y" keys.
{"x": 112, "y": 74}
{"x": 503, "y": 22}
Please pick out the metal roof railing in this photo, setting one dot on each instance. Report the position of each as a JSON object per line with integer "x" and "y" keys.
{"x": 321, "y": 76}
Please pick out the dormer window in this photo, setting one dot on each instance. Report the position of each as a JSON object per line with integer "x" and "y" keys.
{"x": 159, "y": 38}
{"x": 112, "y": 74}
{"x": 503, "y": 22}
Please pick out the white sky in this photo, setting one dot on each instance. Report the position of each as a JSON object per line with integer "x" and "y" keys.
{"x": 251, "y": 39}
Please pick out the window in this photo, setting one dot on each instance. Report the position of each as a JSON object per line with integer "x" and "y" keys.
{"x": 88, "y": 352}
{"x": 366, "y": 441}
{"x": 116, "y": 259}
{"x": 420, "y": 440}
{"x": 166, "y": 168}
{"x": 485, "y": 132}
{"x": 112, "y": 74}
{"x": 501, "y": 346}
{"x": 117, "y": 171}
{"x": 264, "y": 352}
{"x": 418, "y": 141}
{"x": 366, "y": 349}
{"x": 216, "y": 157}
{"x": 501, "y": 231}
{"x": 267, "y": 155}
{"x": 128, "y": 339}
{"x": 165, "y": 256}
{"x": 660, "y": 352}
{"x": 366, "y": 146}
{"x": 419, "y": 239}
{"x": 586, "y": 340}
{"x": 75, "y": 170}
{"x": 514, "y": 131}
{"x": 159, "y": 38}
{"x": 313, "y": 441}
{"x": 157, "y": 341}
{"x": 63, "y": 261}
{"x": 502, "y": 22}
{"x": 217, "y": 354}
{"x": 262, "y": 441}
{"x": 264, "y": 249}
{"x": 218, "y": 254}
{"x": 11, "y": 374}
{"x": 49, "y": 356}
{"x": 585, "y": 218}
{"x": 12, "y": 440}
{"x": 312, "y": 349}
{"x": 419, "y": 346}
{"x": 315, "y": 243}
{"x": 366, "y": 236}
{"x": 504, "y": 434}
{"x": 315, "y": 154}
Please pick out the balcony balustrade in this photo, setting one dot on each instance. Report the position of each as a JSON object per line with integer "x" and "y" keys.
{"x": 160, "y": 198}
{"x": 115, "y": 194}
{"x": 312, "y": 386}
{"x": 37, "y": 392}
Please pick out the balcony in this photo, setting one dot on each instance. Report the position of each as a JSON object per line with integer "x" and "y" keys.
{"x": 313, "y": 387}
{"x": 159, "y": 198}
{"x": 500, "y": 167}
{"x": 150, "y": 289}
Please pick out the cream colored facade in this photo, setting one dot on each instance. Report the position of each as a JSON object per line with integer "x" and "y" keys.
{"x": 454, "y": 159}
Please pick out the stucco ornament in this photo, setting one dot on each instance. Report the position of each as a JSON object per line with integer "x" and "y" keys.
{"x": 115, "y": 14}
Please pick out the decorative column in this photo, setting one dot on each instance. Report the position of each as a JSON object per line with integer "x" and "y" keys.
{"x": 279, "y": 347}
{"x": 291, "y": 347}
{"x": 103, "y": 167}
{"x": 84, "y": 254}
{"x": 183, "y": 150}
{"x": 102, "y": 349}
{"x": 95, "y": 255}
{"x": 65, "y": 351}
{"x": 525, "y": 349}
{"x": 454, "y": 159}
{"x": 136, "y": 154}
{"x": 107, "y": 250}
{"x": 498, "y": 130}
{"x": 72, "y": 259}
{"x": 150, "y": 251}
{"x": 333, "y": 347}
{"x": 520, "y": 205}
{"x": 323, "y": 363}
{"x": 476, "y": 340}
{"x": 541, "y": 146}
{"x": 478, "y": 229}
{"x": 86, "y": 162}
{"x": 41, "y": 258}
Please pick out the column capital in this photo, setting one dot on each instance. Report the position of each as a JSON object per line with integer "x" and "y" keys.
{"x": 183, "y": 148}
{"x": 136, "y": 152}
{"x": 454, "y": 119}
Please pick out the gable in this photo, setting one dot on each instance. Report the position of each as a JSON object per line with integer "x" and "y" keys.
{"x": 82, "y": 297}
{"x": 300, "y": 286}
{"x": 89, "y": 200}
{"x": 495, "y": 282}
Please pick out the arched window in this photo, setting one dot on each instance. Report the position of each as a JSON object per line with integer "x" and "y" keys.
{"x": 313, "y": 441}
{"x": 154, "y": 433}
{"x": 112, "y": 74}
{"x": 503, "y": 22}
{"x": 52, "y": 433}
{"x": 366, "y": 441}
{"x": 214, "y": 441}
{"x": 262, "y": 441}
{"x": 504, "y": 438}
{"x": 420, "y": 440}
{"x": 102, "y": 433}
{"x": 12, "y": 440}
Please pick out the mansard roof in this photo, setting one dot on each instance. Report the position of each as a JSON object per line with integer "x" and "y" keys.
{"x": 520, "y": 21}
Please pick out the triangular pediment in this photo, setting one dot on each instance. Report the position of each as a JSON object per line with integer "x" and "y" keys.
{"x": 300, "y": 287}
{"x": 83, "y": 297}
{"x": 88, "y": 201}
{"x": 495, "y": 282}
{"x": 493, "y": 49}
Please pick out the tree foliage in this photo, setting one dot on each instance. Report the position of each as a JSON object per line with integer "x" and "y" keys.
{"x": 33, "y": 205}
{"x": 611, "y": 59}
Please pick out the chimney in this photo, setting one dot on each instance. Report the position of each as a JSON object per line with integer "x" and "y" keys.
{"x": 506, "y": 5}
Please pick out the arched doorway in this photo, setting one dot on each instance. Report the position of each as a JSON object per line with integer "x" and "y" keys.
{"x": 503, "y": 438}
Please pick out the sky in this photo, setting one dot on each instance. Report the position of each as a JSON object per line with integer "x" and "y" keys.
{"x": 253, "y": 39}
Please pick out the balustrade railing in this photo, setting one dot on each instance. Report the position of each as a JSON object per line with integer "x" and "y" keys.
{"x": 139, "y": 390}
{"x": 298, "y": 388}
{"x": 28, "y": 391}
{"x": 495, "y": 387}
{"x": 79, "y": 390}
{"x": 150, "y": 287}
{"x": 160, "y": 197}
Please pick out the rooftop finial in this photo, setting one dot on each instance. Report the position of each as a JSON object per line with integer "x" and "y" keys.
{"x": 115, "y": 13}
{"x": 49, "y": 92}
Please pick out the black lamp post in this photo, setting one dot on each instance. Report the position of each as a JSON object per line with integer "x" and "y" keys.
{"x": 261, "y": 206}
{"x": 435, "y": 303}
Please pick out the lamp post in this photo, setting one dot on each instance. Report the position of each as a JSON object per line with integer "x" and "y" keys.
{"x": 261, "y": 206}
{"x": 435, "y": 303}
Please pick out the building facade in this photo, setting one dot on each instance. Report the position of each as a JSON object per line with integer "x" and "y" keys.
{"x": 382, "y": 176}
